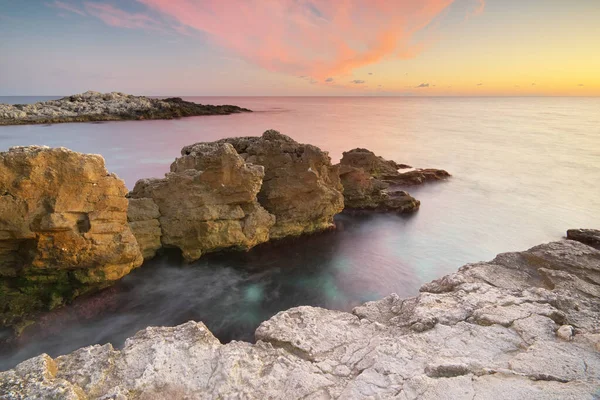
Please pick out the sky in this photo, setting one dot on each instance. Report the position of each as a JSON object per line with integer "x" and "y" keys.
{"x": 301, "y": 47}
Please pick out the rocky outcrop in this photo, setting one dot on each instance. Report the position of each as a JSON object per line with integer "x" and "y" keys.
{"x": 387, "y": 171}
{"x": 366, "y": 160}
{"x": 416, "y": 177}
{"x": 208, "y": 201}
{"x": 365, "y": 192}
{"x": 143, "y": 217}
{"x": 588, "y": 236}
{"x": 525, "y": 325}
{"x": 63, "y": 229}
{"x": 300, "y": 187}
{"x": 114, "y": 106}
{"x": 373, "y": 183}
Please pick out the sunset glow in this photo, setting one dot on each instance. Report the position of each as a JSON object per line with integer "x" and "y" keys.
{"x": 302, "y": 47}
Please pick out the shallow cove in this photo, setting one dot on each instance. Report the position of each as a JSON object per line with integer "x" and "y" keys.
{"x": 524, "y": 171}
{"x": 232, "y": 292}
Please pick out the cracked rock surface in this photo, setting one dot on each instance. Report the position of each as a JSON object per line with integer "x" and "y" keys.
{"x": 523, "y": 326}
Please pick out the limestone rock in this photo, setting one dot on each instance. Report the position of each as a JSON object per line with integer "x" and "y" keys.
{"x": 301, "y": 187}
{"x": 365, "y": 192}
{"x": 387, "y": 171}
{"x": 484, "y": 332}
{"x": 114, "y": 106}
{"x": 375, "y": 166}
{"x": 417, "y": 177}
{"x": 362, "y": 173}
{"x": 63, "y": 228}
{"x": 208, "y": 201}
{"x": 143, "y": 216}
{"x": 590, "y": 237}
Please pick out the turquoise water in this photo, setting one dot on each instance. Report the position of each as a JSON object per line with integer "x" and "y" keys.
{"x": 524, "y": 170}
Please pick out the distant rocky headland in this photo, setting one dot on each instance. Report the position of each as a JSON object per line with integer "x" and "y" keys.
{"x": 69, "y": 227}
{"x": 115, "y": 106}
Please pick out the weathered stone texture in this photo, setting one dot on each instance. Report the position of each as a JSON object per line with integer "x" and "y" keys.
{"x": 63, "y": 228}
{"x": 505, "y": 329}
{"x": 208, "y": 202}
{"x": 301, "y": 187}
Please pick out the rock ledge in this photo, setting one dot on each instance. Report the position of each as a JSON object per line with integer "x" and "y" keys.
{"x": 525, "y": 325}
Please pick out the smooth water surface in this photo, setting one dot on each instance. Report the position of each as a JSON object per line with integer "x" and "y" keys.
{"x": 524, "y": 170}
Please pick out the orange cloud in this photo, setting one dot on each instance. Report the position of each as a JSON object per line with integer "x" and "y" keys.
{"x": 319, "y": 38}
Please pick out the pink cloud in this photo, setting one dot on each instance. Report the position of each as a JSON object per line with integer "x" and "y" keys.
{"x": 315, "y": 38}
{"x": 319, "y": 38}
{"x": 116, "y": 17}
{"x": 67, "y": 7}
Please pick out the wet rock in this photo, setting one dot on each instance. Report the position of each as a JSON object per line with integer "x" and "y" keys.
{"x": 208, "y": 202}
{"x": 590, "y": 237}
{"x": 63, "y": 229}
{"x": 374, "y": 352}
{"x": 114, "y": 106}
{"x": 300, "y": 188}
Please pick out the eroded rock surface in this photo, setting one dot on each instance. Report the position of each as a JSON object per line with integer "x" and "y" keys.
{"x": 114, "y": 106}
{"x": 368, "y": 183}
{"x": 523, "y": 326}
{"x": 208, "y": 201}
{"x": 143, "y": 216}
{"x": 362, "y": 191}
{"x": 387, "y": 170}
{"x": 588, "y": 236}
{"x": 63, "y": 229}
{"x": 300, "y": 187}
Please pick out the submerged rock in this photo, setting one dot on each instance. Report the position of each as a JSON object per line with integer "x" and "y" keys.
{"x": 588, "y": 236}
{"x": 114, "y": 106}
{"x": 525, "y": 325}
{"x": 207, "y": 202}
{"x": 63, "y": 229}
{"x": 300, "y": 187}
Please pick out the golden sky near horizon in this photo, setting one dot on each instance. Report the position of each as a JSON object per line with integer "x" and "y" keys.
{"x": 303, "y": 47}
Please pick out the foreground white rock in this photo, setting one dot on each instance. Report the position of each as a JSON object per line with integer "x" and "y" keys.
{"x": 523, "y": 326}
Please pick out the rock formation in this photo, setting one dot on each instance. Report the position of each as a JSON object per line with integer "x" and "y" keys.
{"x": 63, "y": 229}
{"x": 523, "y": 326}
{"x": 207, "y": 202}
{"x": 143, "y": 216}
{"x": 115, "y": 106}
{"x": 300, "y": 187}
{"x": 373, "y": 183}
{"x": 387, "y": 171}
{"x": 588, "y": 236}
{"x": 364, "y": 192}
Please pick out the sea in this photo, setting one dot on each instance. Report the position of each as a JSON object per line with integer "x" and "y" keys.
{"x": 524, "y": 170}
